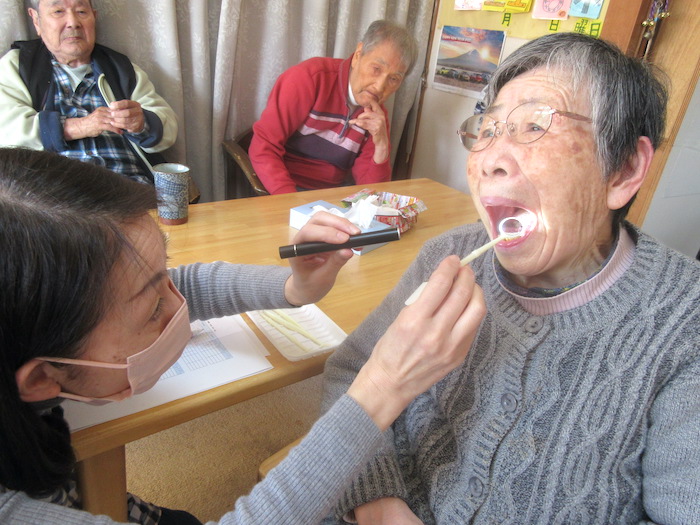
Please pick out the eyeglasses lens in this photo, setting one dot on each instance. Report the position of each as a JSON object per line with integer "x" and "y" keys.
{"x": 529, "y": 122}
{"x": 469, "y": 131}
{"x": 526, "y": 123}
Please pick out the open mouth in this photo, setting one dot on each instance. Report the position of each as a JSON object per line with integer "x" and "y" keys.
{"x": 511, "y": 228}
{"x": 506, "y": 219}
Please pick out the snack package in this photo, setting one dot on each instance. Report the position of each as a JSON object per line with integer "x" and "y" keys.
{"x": 396, "y": 210}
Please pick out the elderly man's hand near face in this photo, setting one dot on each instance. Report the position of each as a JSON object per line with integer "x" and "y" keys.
{"x": 372, "y": 119}
{"x": 120, "y": 116}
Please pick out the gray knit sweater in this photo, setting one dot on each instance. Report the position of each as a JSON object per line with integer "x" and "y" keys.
{"x": 303, "y": 488}
{"x": 591, "y": 415}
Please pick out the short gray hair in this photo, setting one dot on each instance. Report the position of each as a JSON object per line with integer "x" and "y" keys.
{"x": 34, "y": 4}
{"x": 381, "y": 31}
{"x": 628, "y": 96}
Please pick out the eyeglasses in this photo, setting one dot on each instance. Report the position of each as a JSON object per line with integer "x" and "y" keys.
{"x": 526, "y": 123}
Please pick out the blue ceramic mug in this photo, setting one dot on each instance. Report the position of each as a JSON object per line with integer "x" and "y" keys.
{"x": 172, "y": 183}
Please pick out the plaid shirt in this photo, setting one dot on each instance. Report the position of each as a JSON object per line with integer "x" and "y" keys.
{"x": 110, "y": 150}
{"x": 137, "y": 510}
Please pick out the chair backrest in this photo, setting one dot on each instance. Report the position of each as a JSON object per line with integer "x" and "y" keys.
{"x": 241, "y": 179}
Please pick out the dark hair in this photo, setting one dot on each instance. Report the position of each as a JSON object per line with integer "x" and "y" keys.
{"x": 628, "y": 95}
{"x": 381, "y": 31}
{"x": 61, "y": 229}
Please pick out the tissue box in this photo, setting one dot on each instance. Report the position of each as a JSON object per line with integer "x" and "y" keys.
{"x": 301, "y": 214}
{"x": 407, "y": 207}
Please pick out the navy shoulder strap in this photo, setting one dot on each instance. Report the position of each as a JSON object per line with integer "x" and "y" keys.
{"x": 35, "y": 69}
{"x": 118, "y": 70}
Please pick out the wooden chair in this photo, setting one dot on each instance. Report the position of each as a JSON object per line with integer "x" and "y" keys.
{"x": 267, "y": 465}
{"x": 241, "y": 179}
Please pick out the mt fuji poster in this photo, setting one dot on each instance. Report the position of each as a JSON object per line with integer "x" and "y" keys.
{"x": 466, "y": 59}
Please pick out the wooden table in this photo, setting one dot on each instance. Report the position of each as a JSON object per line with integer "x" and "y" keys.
{"x": 250, "y": 231}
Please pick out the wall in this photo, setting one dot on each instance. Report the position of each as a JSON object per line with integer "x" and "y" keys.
{"x": 439, "y": 155}
{"x": 674, "y": 213}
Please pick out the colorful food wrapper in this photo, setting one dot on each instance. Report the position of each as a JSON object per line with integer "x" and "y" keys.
{"x": 400, "y": 211}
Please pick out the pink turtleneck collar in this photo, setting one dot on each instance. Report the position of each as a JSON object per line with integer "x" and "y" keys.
{"x": 618, "y": 263}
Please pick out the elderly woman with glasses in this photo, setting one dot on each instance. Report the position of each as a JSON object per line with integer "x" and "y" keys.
{"x": 579, "y": 400}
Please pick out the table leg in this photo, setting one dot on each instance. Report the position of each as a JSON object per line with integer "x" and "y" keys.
{"x": 102, "y": 483}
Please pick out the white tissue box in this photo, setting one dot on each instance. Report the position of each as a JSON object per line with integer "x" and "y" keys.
{"x": 301, "y": 214}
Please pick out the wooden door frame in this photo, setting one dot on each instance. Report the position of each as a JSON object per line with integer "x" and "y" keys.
{"x": 406, "y": 148}
{"x": 676, "y": 50}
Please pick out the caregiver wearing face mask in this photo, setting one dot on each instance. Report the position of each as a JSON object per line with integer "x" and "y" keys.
{"x": 88, "y": 311}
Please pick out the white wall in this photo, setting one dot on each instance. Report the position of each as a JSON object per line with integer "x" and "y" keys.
{"x": 439, "y": 155}
{"x": 674, "y": 214}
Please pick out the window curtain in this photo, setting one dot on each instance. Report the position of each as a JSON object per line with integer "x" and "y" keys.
{"x": 215, "y": 61}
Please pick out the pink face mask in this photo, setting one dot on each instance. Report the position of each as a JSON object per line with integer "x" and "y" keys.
{"x": 144, "y": 368}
